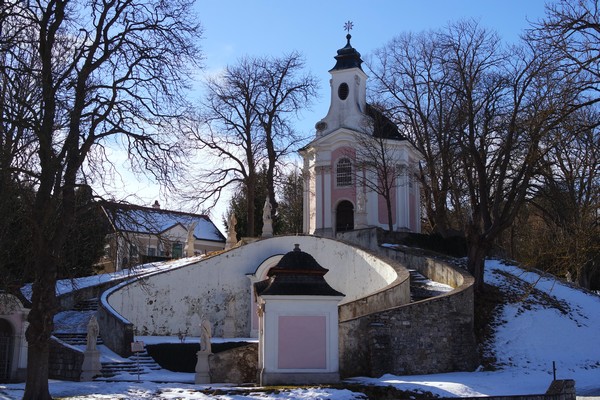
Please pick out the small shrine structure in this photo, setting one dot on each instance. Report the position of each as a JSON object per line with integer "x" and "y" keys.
{"x": 298, "y": 323}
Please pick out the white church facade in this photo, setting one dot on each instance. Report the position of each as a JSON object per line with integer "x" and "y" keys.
{"x": 339, "y": 194}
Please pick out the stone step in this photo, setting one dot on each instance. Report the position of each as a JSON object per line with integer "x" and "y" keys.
{"x": 135, "y": 364}
{"x": 75, "y": 339}
{"x": 420, "y": 287}
{"x": 87, "y": 305}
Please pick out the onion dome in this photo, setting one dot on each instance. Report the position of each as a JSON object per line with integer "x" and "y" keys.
{"x": 347, "y": 57}
{"x": 296, "y": 274}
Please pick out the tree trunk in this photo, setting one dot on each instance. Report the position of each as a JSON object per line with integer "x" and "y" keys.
{"x": 41, "y": 325}
{"x": 388, "y": 204}
{"x": 250, "y": 198}
{"x": 37, "y": 371}
{"x": 477, "y": 251}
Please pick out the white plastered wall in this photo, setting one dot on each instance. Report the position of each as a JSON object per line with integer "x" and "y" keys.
{"x": 176, "y": 301}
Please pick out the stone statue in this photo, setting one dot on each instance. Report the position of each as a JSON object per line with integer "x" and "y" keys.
{"x": 360, "y": 200}
{"x": 267, "y": 230}
{"x": 92, "y": 333}
{"x": 202, "y": 364}
{"x": 205, "y": 335}
{"x": 231, "y": 233}
{"x": 191, "y": 240}
{"x": 91, "y": 366}
{"x": 267, "y": 210}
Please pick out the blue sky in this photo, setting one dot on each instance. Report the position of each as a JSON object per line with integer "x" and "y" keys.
{"x": 316, "y": 29}
{"x": 234, "y": 28}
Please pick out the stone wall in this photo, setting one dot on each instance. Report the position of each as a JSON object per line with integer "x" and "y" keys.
{"x": 218, "y": 287}
{"x": 116, "y": 332}
{"x": 64, "y": 361}
{"x": 68, "y": 300}
{"x": 430, "y": 336}
{"x": 237, "y": 366}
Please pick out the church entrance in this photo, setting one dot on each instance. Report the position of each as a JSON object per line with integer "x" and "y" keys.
{"x": 344, "y": 216}
{"x": 5, "y": 350}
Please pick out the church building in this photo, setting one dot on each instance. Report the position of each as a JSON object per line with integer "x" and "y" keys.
{"x": 343, "y": 164}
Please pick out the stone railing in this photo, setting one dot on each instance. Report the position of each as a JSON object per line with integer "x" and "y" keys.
{"x": 68, "y": 300}
{"x": 429, "y": 336}
{"x": 116, "y": 332}
{"x": 396, "y": 293}
{"x": 64, "y": 361}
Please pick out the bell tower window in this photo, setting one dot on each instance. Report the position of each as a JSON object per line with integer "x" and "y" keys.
{"x": 343, "y": 91}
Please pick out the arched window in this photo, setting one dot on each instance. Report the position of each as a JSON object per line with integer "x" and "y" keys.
{"x": 343, "y": 172}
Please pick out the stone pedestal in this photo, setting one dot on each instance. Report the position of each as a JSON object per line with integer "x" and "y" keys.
{"x": 267, "y": 230}
{"x": 91, "y": 365}
{"x": 361, "y": 220}
{"x": 202, "y": 367}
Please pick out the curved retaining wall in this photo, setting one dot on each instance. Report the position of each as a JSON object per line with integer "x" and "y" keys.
{"x": 220, "y": 287}
{"x": 117, "y": 332}
{"x": 430, "y": 336}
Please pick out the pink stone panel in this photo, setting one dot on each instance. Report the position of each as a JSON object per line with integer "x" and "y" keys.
{"x": 302, "y": 342}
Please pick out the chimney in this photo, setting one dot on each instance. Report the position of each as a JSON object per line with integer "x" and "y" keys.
{"x": 156, "y": 205}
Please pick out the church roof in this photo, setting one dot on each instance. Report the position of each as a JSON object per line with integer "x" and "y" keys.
{"x": 347, "y": 57}
{"x": 383, "y": 127}
{"x": 297, "y": 273}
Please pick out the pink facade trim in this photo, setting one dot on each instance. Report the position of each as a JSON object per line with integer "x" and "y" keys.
{"x": 339, "y": 194}
{"x": 302, "y": 342}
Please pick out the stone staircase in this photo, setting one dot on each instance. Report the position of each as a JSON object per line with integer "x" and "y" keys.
{"x": 75, "y": 339}
{"x": 87, "y": 305}
{"x": 421, "y": 288}
{"x": 139, "y": 363}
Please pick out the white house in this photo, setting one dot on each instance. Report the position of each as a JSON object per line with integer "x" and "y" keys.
{"x": 146, "y": 234}
{"x": 334, "y": 200}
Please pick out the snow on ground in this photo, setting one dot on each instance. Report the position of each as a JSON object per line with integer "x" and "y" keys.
{"x": 545, "y": 322}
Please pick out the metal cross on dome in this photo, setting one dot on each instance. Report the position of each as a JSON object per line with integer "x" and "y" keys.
{"x": 348, "y": 26}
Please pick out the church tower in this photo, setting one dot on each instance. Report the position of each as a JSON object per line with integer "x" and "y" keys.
{"x": 348, "y": 93}
{"x": 336, "y": 196}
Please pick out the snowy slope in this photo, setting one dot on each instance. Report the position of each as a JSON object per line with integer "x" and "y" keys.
{"x": 544, "y": 321}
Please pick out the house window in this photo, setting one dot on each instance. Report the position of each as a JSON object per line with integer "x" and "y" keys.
{"x": 177, "y": 250}
{"x": 133, "y": 251}
{"x": 343, "y": 172}
{"x": 151, "y": 251}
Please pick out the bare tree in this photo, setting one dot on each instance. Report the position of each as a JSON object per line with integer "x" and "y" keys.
{"x": 289, "y": 218}
{"x": 500, "y": 105}
{"x": 571, "y": 29}
{"x": 108, "y": 73}
{"x": 378, "y": 154}
{"x": 227, "y": 132}
{"x": 566, "y": 198}
{"x": 413, "y": 86}
{"x": 286, "y": 92}
{"x": 245, "y": 123}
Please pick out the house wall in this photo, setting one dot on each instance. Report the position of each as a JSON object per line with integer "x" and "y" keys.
{"x": 119, "y": 256}
{"x": 173, "y": 301}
